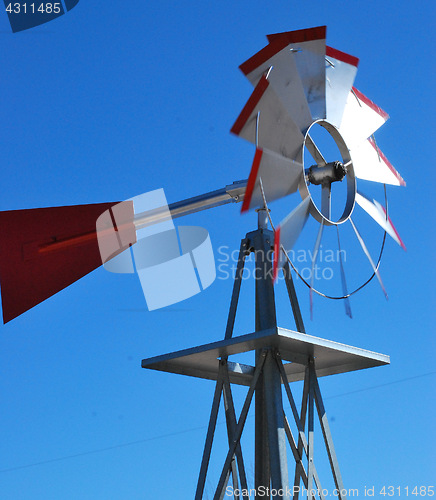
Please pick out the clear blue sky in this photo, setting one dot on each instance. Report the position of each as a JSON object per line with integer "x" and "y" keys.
{"x": 111, "y": 101}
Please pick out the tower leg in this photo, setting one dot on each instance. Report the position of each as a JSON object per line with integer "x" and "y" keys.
{"x": 236, "y": 288}
{"x": 293, "y": 299}
{"x": 220, "y": 384}
{"x": 323, "y": 420}
{"x": 240, "y": 425}
{"x": 209, "y": 438}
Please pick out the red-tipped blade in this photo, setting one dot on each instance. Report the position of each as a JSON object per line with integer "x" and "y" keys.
{"x": 44, "y": 250}
{"x": 300, "y": 36}
{"x": 279, "y": 176}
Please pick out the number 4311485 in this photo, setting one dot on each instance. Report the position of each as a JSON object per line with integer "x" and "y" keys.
{"x": 32, "y": 8}
{"x": 417, "y": 491}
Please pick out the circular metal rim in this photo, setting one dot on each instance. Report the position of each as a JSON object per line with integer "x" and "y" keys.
{"x": 350, "y": 177}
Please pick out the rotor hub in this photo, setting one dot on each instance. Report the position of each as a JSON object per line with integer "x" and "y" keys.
{"x": 326, "y": 174}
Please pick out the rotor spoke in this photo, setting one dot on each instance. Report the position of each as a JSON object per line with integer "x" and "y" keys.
{"x": 343, "y": 280}
{"x": 314, "y": 151}
{"x": 326, "y": 194}
{"x": 314, "y": 258}
{"x": 362, "y": 244}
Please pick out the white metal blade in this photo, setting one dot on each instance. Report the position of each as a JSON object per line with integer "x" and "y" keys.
{"x": 361, "y": 118}
{"x": 341, "y": 70}
{"x": 378, "y": 213}
{"x": 309, "y": 51}
{"x": 280, "y": 177}
{"x": 284, "y": 78}
{"x": 287, "y": 233}
{"x": 314, "y": 258}
{"x": 344, "y": 280}
{"x": 276, "y": 130}
{"x": 362, "y": 244}
{"x": 372, "y": 165}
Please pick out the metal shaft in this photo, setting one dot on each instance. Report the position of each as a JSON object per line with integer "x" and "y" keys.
{"x": 270, "y": 437}
{"x": 265, "y": 318}
{"x": 233, "y": 193}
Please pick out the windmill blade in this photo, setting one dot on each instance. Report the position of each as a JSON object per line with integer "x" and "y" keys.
{"x": 275, "y": 129}
{"x": 362, "y": 244}
{"x": 280, "y": 177}
{"x": 340, "y": 74}
{"x": 278, "y": 60}
{"x": 287, "y": 233}
{"x": 44, "y": 250}
{"x": 378, "y": 213}
{"x": 361, "y": 118}
{"x": 314, "y": 258}
{"x": 343, "y": 279}
{"x": 371, "y": 164}
{"x": 309, "y": 50}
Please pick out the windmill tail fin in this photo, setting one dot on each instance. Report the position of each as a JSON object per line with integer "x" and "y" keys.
{"x": 44, "y": 250}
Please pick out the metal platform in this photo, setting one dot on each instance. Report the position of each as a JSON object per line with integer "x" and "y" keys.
{"x": 296, "y": 348}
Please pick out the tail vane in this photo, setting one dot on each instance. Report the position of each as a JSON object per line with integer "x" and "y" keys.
{"x": 44, "y": 250}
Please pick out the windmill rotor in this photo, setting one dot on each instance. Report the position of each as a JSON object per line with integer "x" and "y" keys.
{"x": 300, "y": 85}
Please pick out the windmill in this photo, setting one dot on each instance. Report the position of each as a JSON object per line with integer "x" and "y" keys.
{"x": 300, "y": 84}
